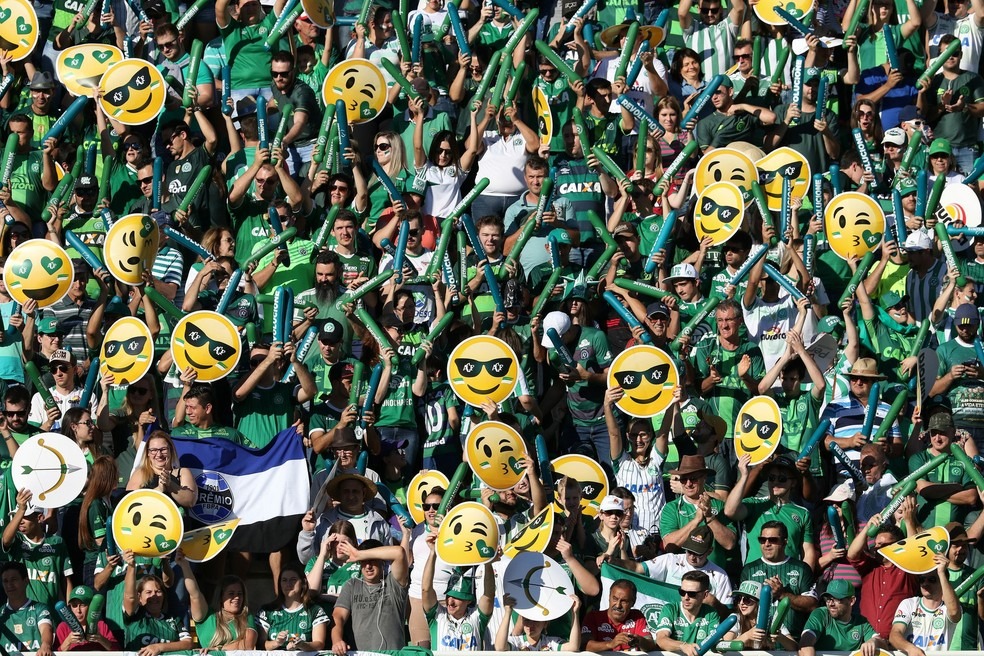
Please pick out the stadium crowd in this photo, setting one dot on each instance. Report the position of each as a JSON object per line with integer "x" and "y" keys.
{"x": 541, "y": 174}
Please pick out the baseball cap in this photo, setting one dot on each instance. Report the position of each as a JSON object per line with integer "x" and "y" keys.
{"x": 387, "y": 447}
{"x": 559, "y": 322}
{"x": 839, "y": 589}
{"x": 699, "y": 541}
{"x": 657, "y": 307}
{"x": 812, "y": 74}
{"x": 894, "y": 136}
{"x": 612, "y": 502}
{"x": 48, "y": 326}
{"x": 842, "y": 492}
{"x": 341, "y": 370}
{"x": 830, "y": 325}
{"x": 891, "y": 298}
{"x": 42, "y": 80}
{"x": 86, "y": 182}
{"x": 918, "y": 240}
{"x": 562, "y": 236}
{"x": 751, "y": 589}
{"x": 420, "y": 84}
{"x": 941, "y": 420}
{"x": 906, "y": 186}
{"x": 909, "y": 113}
{"x": 62, "y": 355}
{"x": 966, "y": 315}
{"x": 727, "y": 83}
{"x": 624, "y": 230}
{"x": 681, "y": 272}
{"x": 940, "y": 146}
{"x": 83, "y": 593}
{"x": 330, "y": 332}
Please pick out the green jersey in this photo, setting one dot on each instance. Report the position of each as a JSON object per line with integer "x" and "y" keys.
{"x": 718, "y": 130}
{"x": 205, "y": 630}
{"x": 941, "y": 512}
{"x": 679, "y": 512}
{"x": 965, "y": 636}
{"x": 250, "y": 225}
{"x": 796, "y": 518}
{"x": 966, "y": 395}
{"x": 959, "y": 128}
{"x": 98, "y": 515}
{"x": 835, "y": 635}
{"x": 226, "y": 432}
{"x": 21, "y": 628}
{"x": 265, "y": 412}
{"x": 728, "y": 395}
{"x": 25, "y": 185}
{"x": 47, "y": 565}
{"x": 800, "y": 417}
{"x": 592, "y": 352}
{"x": 298, "y": 623}
{"x": 354, "y": 266}
{"x": 114, "y": 587}
{"x": 440, "y": 436}
{"x": 244, "y": 45}
{"x": 672, "y": 620}
{"x": 796, "y": 576}
{"x": 333, "y": 576}
{"x": 397, "y": 407}
{"x": 140, "y": 630}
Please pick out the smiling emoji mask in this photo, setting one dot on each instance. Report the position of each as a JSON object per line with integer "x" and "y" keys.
{"x": 481, "y": 368}
{"x": 469, "y": 535}
{"x": 759, "y": 429}
{"x": 38, "y": 270}
{"x": 854, "y": 224}
{"x": 81, "y": 67}
{"x": 647, "y": 375}
{"x": 131, "y": 247}
{"x": 132, "y": 92}
{"x": 494, "y": 451}
{"x": 148, "y": 523}
{"x": 127, "y": 351}
{"x": 591, "y": 478}
{"x": 720, "y": 210}
{"x": 208, "y": 342}
{"x": 783, "y": 163}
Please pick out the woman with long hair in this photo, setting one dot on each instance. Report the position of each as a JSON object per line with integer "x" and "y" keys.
{"x": 445, "y": 167}
{"x": 159, "y": 469}
{"x": 292, "y": 622}
{"x": 865, "y": 116}
{"x": 227, "y": 625}
{"x": 77, "y": 424}
{"x": 139, "y": 413}
{"x": 392, "y": 157}
{"x": 219, "y": 242}
{"x": 14, "y": 235}
{"x": 669, "y": 113}
{"x": 746, "y": 599}
{"x": 145, "y": 614}
{"x": 95, "y": 512}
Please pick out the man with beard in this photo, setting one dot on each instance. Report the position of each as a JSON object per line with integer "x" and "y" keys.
{"x": 620, "y": 627}
{"x": 320, "y": 302}
{"x": 288, "y": 90}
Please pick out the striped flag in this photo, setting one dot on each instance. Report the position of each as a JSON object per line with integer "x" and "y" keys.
{"x": 266, "y": 488}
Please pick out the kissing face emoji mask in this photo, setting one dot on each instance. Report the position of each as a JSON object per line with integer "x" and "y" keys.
{"x": 148, "y": 523}
{"x": 360, "y": 85}
{"x": 469, "y": 535}
{"x": 759, "y": 429}
{"x": 854, "y": 224}
{"x": 494, "y": 452}
{"x": 204, "y": 544}
{"x": 481, "y": 368}
{"x": 648, "y": 376}
{"x": 726, "y": 165}
{"x": 208, "y": 342}
{"x": 915, "y": 554}
{"x": 127, "y": 351}
{"x": 39, "y": 270}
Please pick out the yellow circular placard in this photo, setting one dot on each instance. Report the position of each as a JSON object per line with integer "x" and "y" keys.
{"x": 81, "y": 67}
{"x": 720, "y": 210}
{"x": 321, "y": 12}
{"x": 854, "y": 224}
{"x": 915, "y": 554}
{"x": 147, "y": 523}
{"x": 132, "y": 92}
{"x": 758, "y": 430}
{"x": 647, "y": 376}
{"x": 589, "y": 475}
{"x": 535, "y": 536}
{"x": 766, "y": 10}
{"x": 203, "y": 544}
{"x": 783, "y": 163}
{"x": 482, "y": 368}
{"x": 494, "y": 450}
{"x": 18, "y": 28}
{"x": 726, "y": 165}
{"x": 360, "y": 85}
{"x": 544, "y": 117}
{"x": 38, "y": 270}
{"x": 421, "y": 486}
{"x": 131, "y": 247}
{"x": 469, "y": 535}
{"x": 127, "y": 351}
{"x": 208, "y": 342}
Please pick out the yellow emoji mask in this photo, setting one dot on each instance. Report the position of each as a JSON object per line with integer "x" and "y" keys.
{"x": 854, "y": 224}
{"x": 148, "y": 523}
{"x": 720, "y": 210}
{"x": 469, "y": 535}
{"x": 81, "y": 67}
{"x": 535, "y": 536}
{"x": 759, "y": 429}
{"x": 915, "y": 554}
{"x": 208, "y": 342}
{"x": 421, "y": 486}
{"x": 204, "y": 544}
{"x": 132, "y": 92}
{"x": 783, "y": 163}
{"x": 18, "y": 29}
{"x": 482, "y": 368}
{"x": 494, "y": 450}
{"x": 127, "y": 351}
{"x": 544, "y": 115}
{"x": 589, "y": 475}
{"x": 766, "y": 10}
{"x": 131, "y": 248}
{"x": 39, "y": 270}
{"x": 360, "y": 85}
{"x": 726, "y": 165}
{"x": 647, "y": 375}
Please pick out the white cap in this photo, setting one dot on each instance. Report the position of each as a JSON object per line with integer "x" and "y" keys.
{"x": 612, "y": 502}
{"x": 918, "y": 240}
{"x": 682, "y": 272}
{"x": 894, "y": 136}
{"x": 559, "y": 322}
{"x": 842, "y": 492}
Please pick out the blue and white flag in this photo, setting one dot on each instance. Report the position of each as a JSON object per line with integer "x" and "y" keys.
{"x": 267, "y": 489}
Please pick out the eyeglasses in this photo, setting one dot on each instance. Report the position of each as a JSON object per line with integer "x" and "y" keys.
{"x": 383, "y": 146}
{"x": 15, "y": 413}
{"x": 769, "y": 540}
{"x": 167, "y": 45}
{"x": 742, "y": 599}
{"x": 61, "y": 368}
{"x": 87, "y": 422}
{"x": 544, "y": 71}
{"x": 256, "y": 362}
{"x": 709, "y": 10}
{"x": 859, "y": 379}
{"x": 413, "y": 233}
{"x": 159, "y": 451}
{"x": 443, "y": 151}
{"x": 938, "y": 156}
{"x": 280, "y": 73}
{"x": 147, "y": 180}
{"x": 617, "y": 513}
{"x": 430, "y": 506}
{"x": 693, "y": 594}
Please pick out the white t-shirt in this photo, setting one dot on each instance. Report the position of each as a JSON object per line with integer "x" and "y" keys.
{"x": 421, "y": 552}
{"x": 670, "y": 568}
{"x": 641, "y": 91}
{"x": 767, "y": 325}
{"x": 443, "y": 188}
{"x": 930, "y": 630}
{"x": 502, "y": 163}
{"x": 545, "y": 643}
{"x": 646, "y": 483}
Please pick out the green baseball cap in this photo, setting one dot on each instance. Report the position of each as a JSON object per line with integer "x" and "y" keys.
{"x": 891, "y": 299}
{"x": 839, "y": 589}
{"x": 940, "y": 146}
{"x": 48, "y": 326}
{"x": 83, "y": 593}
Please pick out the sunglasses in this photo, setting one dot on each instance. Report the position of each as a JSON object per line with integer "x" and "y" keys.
{"x": 218, "y": 350}
{"x": 340, "y": 187}
{"x": 693, "y": 594}
{"x": 167, "y": 45}
{"x": 61, "y": 368}
{"x": 865, "y": 114}
{"x": 131, "y": 346}
{"x": 544, "y": 71}
{"x": 15, "y": 413}
{"x": 139, "y": 391}
{"x": 147, "y": 180}
{"x": 632, "y": 379}
{"x": 280, "y": 73}
{"x": 132, "y": 145}
{"x": 742, "y": 599}
{"x": 770, "y": 540}
{"x": 778, "y": 478}
{"x": 430, "y": 506}
{"x": 742, "y": 56}
{"x": 120, "y": 95}
{"x": 764, "y": 429}
{"x": 470, "y": 368}
{"x": 789, "y": 171}
{"x": 691, "y": 479}
{"x": 413, "y": 233}
{"x": 726, "y": 213}
{"x": 383, "y": 147}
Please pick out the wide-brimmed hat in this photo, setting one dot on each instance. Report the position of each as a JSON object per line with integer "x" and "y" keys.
{"x": 335, "y": 483}
{"x": 649, "y": 33}
{"x": 691, "y": 465}
{"x": 865, "y": 368}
